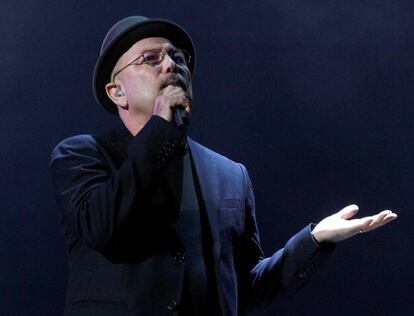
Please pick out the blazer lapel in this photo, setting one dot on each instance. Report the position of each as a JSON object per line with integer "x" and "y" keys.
{"x": 206, "y": 173}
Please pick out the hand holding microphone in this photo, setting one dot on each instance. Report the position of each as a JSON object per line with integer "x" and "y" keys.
{"x": 173, "y": 103}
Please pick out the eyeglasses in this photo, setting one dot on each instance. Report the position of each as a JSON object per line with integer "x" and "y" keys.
{"x": 155, "y": 58}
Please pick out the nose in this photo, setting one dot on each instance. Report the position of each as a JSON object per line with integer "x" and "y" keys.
{"x": 168, "y": 64}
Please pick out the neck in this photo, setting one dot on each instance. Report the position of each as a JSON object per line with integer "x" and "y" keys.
{"x": 134, "y": 124}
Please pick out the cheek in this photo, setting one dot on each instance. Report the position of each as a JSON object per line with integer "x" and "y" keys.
{"x": 141, "y": 88}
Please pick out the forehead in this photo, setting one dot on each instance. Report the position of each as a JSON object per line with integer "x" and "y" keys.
{"x": 150, "y": 43}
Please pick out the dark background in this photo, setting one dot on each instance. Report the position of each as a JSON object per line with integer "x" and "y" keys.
{"x": 314, "y": 97}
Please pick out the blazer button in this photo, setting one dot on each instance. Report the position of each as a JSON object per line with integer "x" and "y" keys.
{"x": 179, "y": 257}
{"x": 172, "y": 306}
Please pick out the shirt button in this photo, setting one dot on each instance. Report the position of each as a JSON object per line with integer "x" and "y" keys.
{"x": 179, "y": 257}
{"x": 172, "y": 306}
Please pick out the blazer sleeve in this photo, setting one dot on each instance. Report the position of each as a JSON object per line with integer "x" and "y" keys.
{"x": 98, "y": 202}
{"x": 286, "y": 271}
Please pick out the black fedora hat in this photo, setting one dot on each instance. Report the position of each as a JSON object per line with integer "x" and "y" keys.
{"x": 121, "y": 36}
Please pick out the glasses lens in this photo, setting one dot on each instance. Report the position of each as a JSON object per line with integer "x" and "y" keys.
{"x": 153, "y": 58}
{"x": 179, "y": 57}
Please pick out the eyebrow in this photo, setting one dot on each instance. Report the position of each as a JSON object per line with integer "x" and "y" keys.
{"x": 158, "y": 49}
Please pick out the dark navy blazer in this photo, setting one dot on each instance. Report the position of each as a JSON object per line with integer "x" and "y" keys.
{"x": 125, "y": 257}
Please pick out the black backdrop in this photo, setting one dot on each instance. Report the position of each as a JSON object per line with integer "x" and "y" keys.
{"x": 314, "y": 97}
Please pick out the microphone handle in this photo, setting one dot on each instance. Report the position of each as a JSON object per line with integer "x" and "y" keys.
{"x": 180, "y": 117}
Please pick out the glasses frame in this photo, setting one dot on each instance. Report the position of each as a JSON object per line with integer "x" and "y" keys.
{"x": 162, "y": 54}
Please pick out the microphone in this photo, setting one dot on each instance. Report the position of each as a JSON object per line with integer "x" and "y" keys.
{"x": 180, "y": 117}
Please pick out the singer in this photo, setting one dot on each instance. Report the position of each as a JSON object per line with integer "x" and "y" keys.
{"x": 157, "y": 224}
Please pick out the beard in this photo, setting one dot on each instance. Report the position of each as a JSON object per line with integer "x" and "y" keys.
{"x": 173, "y": 80}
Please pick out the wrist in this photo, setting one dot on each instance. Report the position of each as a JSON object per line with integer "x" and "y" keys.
{"x": 318, "y": 235}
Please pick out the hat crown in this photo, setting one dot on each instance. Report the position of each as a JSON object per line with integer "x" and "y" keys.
{"x": 119, "y": 28}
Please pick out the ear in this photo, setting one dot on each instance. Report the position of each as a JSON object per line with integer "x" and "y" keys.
{"x": 116, "y": 93}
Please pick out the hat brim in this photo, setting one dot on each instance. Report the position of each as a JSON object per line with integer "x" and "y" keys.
{"x": 119, "y": 45}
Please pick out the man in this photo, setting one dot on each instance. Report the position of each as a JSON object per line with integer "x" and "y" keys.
{"x": 157, "y": 224}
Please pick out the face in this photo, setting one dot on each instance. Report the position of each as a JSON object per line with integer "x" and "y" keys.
{"x": 142, "y": 83}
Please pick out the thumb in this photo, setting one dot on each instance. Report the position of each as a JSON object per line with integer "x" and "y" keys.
{"x": 348, "y": 211}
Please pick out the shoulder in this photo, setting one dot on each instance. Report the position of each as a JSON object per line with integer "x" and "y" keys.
{"x": 222, "y": 162}
{"x": 73, "y": 145}
{"x": 208, "y": 153}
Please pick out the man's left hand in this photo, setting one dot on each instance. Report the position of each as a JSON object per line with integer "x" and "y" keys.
{"x": 339, "y": 226}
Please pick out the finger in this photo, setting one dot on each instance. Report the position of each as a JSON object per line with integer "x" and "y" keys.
{"x": 379, "y": 217}
{"x": 179, "y": 98}
{"x": 175, "y": 91}
{"x": 171, "y": 90}
{"x": 348, "y": 211}
{"x": 188, "y": 108}
{"x": 168, "y": 89}
{"x": 378, "y": 221}
{"x": 185, "y": 101}
{"x": 185, "y": 106}
{"x": 360, "y": 224}
{"x": 369, "y": 223}
{"x": 382, "y": 221}
{"x": 391, "y": 215}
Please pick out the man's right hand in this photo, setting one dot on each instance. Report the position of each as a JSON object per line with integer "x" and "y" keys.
{"x": 170, "y": 97}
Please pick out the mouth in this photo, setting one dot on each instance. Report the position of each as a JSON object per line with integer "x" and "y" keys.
{"x": 174, "y": 81}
